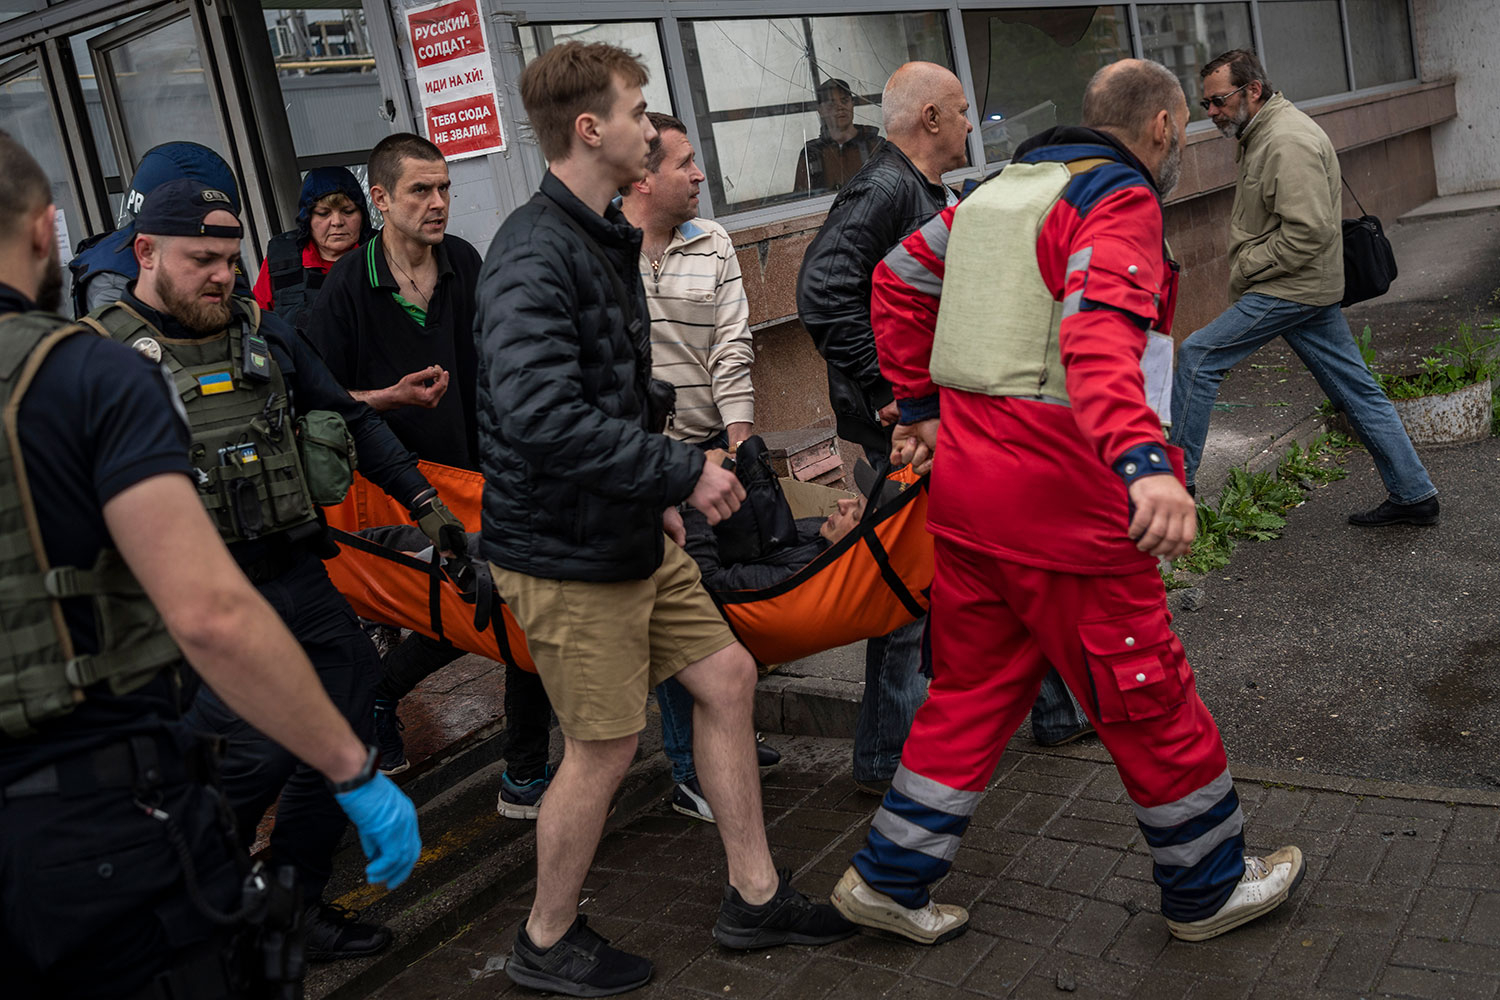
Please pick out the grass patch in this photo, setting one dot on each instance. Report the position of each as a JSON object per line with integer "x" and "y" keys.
{"x": 1252, "y": 506}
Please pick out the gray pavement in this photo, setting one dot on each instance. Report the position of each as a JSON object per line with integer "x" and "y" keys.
{"x": 1369, "y": 652}
{"x": 1402, "y": 897}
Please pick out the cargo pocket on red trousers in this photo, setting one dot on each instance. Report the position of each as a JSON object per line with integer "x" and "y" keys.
{"x": 1130, "y": 661}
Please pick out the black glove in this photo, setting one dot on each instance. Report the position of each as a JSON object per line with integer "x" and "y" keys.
{"x": 446, "y": 533}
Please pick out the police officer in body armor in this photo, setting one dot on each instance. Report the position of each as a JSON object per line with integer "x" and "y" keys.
{"x": 113, "y": 846}
{"x": 332, "y": 220}
{"x": 105, "y": 265}
{"x": 256, "y": 395}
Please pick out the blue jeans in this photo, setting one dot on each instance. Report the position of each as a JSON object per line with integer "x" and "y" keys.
{"x": 677, "y": 728}
{"x": 894, "y": 690}
{"x": 1055, "y": 715}
{"x": 1321, "y": 338}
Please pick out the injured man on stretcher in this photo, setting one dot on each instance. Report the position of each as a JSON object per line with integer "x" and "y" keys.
{"x": 814, "y": 536}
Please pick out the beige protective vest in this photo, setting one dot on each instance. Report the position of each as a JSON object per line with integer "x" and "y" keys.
{"x": 997, "y": 325}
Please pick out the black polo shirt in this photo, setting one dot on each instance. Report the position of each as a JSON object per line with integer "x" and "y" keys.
{"x": 370, "y": 337}
{"x": 98, "y": 419}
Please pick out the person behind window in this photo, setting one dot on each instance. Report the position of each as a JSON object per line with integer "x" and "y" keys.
{"x": 841, "y": 148}
{"x": 332, "y": 219}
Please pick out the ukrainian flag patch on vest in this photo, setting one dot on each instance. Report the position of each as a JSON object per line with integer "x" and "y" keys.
{"x": 215, "y": 382}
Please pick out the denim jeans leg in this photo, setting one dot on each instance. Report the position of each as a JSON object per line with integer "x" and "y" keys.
{"x": 894, "y": 690}
{"x": 1326, "y": 346}
{"x": 677, "y": 728}
{"x": 1207, "y": 354}
{"x": 1056, "y": 714}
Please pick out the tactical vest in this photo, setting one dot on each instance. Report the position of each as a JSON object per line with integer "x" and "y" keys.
{"x": 978, "y": 344}
{"x": 294, "y": 288}
{"x": 244, "y": 451}
{"x": 42, "y": 677}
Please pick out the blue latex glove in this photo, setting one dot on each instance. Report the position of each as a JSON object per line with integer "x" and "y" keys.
{"x": 387, "y": 825}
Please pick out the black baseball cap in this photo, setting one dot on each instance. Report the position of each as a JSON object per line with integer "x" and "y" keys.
{"x": 829, "y": 85}
{"x": 178, "y": 208}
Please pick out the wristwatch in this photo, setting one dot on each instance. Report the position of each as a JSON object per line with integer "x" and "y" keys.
{"x": 364, "y": 777}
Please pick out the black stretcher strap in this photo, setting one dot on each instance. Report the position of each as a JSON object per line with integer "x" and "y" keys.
{"x": 487, "y": 604}
{"x": 891, "y": 577}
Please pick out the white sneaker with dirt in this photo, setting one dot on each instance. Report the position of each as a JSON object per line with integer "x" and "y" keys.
{"x": 1266, "y": 884}
{"x": 930, "y": 924}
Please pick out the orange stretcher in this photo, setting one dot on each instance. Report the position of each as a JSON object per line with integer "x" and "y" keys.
{"x": 872, "y": 582}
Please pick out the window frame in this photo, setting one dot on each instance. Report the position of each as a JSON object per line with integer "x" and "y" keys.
{"x": 669, "y": 14}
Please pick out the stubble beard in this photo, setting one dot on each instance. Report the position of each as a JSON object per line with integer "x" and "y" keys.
{"x": 1170, "y": 171}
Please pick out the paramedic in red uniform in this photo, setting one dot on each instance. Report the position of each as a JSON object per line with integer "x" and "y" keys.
{"x": 1053, "y": 493}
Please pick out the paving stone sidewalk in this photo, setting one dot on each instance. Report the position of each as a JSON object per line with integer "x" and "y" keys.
{"x": 1401, "y": 897}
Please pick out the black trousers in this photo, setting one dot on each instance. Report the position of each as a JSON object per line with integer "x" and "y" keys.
{"x": 93, "y": 901}
{"x": 527, "y": 709}
{"x": 255, "y": 771}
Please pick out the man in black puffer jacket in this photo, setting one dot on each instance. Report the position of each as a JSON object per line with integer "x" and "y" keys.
{"x": 579, "y": 496}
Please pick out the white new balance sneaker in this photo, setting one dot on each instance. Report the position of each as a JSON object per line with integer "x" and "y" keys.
{"x": 1266, "y": 884}
{"x": 930, "y": 924}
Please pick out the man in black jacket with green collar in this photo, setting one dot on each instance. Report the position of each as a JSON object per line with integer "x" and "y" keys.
{"x": 579, "y": 499}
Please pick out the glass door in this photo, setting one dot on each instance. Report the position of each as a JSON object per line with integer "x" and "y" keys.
{"x": 154, "y": 85}
{"x": 156, "y": 82}
{"x": 26, "y": 108}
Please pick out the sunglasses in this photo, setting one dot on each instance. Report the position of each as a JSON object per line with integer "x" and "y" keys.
{"x": 1220, "y": 100}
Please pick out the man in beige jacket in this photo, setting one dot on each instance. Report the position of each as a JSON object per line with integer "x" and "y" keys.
{"x": 1286, "y": 275}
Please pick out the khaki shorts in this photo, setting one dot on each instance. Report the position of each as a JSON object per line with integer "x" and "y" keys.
{"x": 600, "y": 648}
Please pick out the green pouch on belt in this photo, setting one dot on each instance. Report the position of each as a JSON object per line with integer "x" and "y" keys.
{"x": 328, "y": 456}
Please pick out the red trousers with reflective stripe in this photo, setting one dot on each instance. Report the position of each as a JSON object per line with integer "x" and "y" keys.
{"x": 996, "y": 628}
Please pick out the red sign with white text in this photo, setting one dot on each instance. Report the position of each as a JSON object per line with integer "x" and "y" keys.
{"x": 447, "y": 31}
{"x": 464, "y": 126}
{"x": 455, "y": 76}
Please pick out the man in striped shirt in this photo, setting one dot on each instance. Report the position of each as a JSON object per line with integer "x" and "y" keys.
{"x": 700, "y": 320}
{"x": 700, "y": 342}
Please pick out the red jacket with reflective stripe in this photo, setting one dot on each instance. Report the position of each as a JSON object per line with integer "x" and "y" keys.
{"x": 1027, "y": 480}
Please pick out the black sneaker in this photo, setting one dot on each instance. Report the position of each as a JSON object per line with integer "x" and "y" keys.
{"x": 786, "y": 918}
{"x": 388, "y": 726}
{"x": 335, "y": 932}
{"x": 1423, "y": 512}
{"x": 765, "y": 754}
{"x": 687, "y": 798}
{"x": 580, "y": 964}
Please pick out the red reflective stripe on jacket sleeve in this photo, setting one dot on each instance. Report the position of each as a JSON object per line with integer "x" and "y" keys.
{"x": 1102, "y": 347}
{"x": 904, "y": 306}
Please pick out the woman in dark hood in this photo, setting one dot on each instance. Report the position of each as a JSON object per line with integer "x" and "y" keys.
{"x": 332, "y": 219}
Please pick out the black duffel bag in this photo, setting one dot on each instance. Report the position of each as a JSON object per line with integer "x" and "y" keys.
{"x": 764, "y": 522}
{"x": 1369, "y": 263}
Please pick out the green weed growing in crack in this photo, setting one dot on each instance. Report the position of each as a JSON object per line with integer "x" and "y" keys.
{"x": 1253, "y": 504}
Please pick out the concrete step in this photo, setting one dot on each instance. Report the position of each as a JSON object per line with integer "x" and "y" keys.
{"x": 1451, "y": 205}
